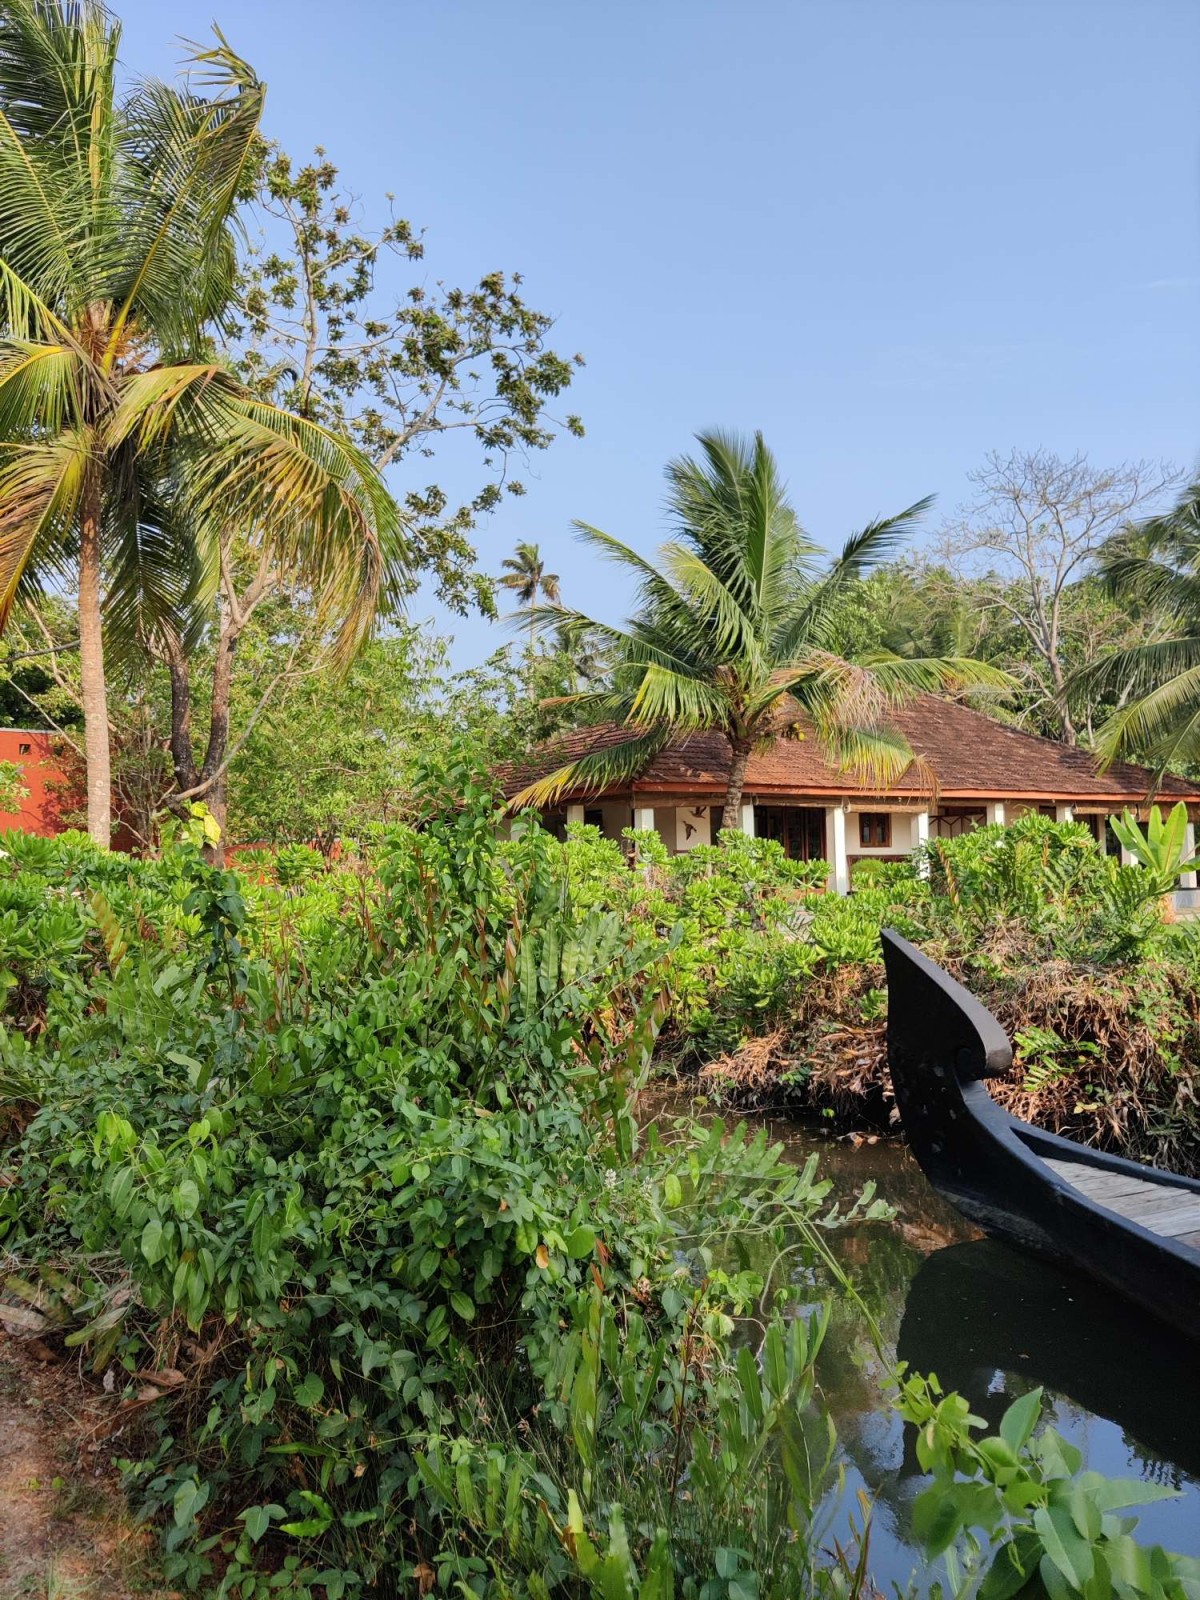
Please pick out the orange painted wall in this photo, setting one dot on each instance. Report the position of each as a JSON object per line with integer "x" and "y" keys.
{"x": 43, "y": 776}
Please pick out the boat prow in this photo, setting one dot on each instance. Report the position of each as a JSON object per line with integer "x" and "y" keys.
{"x": 1133, "y": 1227}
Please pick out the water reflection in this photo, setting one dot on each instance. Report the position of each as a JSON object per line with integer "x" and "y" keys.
{"x": 991, "y": 1322}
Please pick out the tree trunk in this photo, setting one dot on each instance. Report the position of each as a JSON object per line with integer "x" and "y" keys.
{"x": 183, "y": 757}
{"x": 731, "y": 815}
{"x": 1062, "y": 706}
{"x": 213, "y": 771}
{"x": 94, "y": 693}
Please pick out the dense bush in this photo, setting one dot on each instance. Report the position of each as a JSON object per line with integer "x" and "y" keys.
{"x": 321, "y": 1174}
{"x": 777, "y": 987}
{"x": 333, "y": 1175}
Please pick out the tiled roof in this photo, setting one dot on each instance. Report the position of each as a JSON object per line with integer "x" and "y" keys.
{"x": 971, "y": 757}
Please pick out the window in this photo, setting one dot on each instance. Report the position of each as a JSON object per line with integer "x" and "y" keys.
{"x": 874, "y": 829}
{"x": 23, "y": 749}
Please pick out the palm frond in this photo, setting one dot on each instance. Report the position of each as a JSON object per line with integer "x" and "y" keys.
{"x": 638, "y": 645}
{"x": 686, "y": 702}
{"x": 321, "y": 506}
{"x": 161, "y": 572}
{"x": 732, "y": 631}
{"x": 239, "y": 461}
{"x": 42, "y": 388}
{"x": 877, "y": 755}
{"x": 40, "y": 487}
{"x": 186, "y": 159}
{"x": 654, "y": 589}
{"x": 880, "y": 539}
{"x": 594, "y": 772}
{"x": 901, "y": 677}
{"x": 1139, "y": 668}
{"x": 1158, "y": 728}
{"x": 58, "y": 145}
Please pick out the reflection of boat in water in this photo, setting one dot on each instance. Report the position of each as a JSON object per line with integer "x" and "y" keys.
{"x": 993, "y": 1322}
{"x": 1134, "y": 1228}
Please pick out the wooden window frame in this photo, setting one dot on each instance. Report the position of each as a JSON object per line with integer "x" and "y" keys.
{"x": 870, "y": 823}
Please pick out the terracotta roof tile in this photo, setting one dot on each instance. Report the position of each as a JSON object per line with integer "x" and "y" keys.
{"x": 971, "y": 757}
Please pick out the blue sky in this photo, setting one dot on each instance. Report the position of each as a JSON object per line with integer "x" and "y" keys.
{"x": 892, "y": 234}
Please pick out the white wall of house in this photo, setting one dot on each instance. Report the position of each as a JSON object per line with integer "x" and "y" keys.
{"x": 693, "y": 826}
{"x": 683, "y": 828}
{"x": 904, "y": 832}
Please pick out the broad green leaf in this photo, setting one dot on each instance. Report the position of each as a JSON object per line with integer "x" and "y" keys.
{"x": 1018, "y": 1422}
{"x": 581, "y": 1242}
{"x": 311, "y": 1391}
{"x": 152, "y": 1241}
{"x": 257, "y": 1520}
{"x": 1071, "y": 1554}
{"x": 189, "y": 1498}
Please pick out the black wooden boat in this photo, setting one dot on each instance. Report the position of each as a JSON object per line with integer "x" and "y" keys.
{"x": 1134, "y": 1228}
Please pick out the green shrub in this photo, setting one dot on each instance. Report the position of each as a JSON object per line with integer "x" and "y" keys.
{"x": 337, "y": 1181}
{"x": 332, "y": 1174}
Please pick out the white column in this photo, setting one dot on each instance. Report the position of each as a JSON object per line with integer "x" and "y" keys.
{"x": 1187, "y": 880}
{"x": 746, "y": 818}
{"x": 574, "y": 814}
{"x": 1064, "y": 813}
{"x": 643, "y": 817}
{"x": 920, "y": 837}
{"x": 835, "y": 842}
{"x": 995, "y": 811}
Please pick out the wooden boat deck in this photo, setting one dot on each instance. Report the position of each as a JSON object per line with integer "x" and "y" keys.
{"x": 1171, "y": 1213}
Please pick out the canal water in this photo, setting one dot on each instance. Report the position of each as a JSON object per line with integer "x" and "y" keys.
{"x": 992, "y": 1322}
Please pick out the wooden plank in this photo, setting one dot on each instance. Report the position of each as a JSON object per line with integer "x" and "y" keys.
{"x": 1089, "y": 1178}
{"x": 1095, "y": 1183}
{"x": 1154, "y": 1204}
{"x": 1109, "y": 1183}
{"x": 1161, "y": 1208}
{"x": 1162, "y": 1218}
{"x": 1192, "y": 1240}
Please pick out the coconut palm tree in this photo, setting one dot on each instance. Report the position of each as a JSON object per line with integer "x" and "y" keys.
{"x": 736, "y": 632}
{"x": 526, "y": 576}
{"x": 1155, "y": 568}
{"x": 126, "y": 448}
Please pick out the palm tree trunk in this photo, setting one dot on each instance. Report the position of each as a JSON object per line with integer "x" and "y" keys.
{"x": 94, "y": 691}
{"x": 731, "y": 815}
{"x": 214, "y": 770}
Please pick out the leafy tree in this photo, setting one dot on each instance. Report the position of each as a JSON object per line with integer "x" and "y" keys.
{"x": 1032, "y": 534}
{"x": 13, "y": 788}
{"x": 124, "y": 445}
{"x": 331, "y": 754}
{"x": 323, "y": 333}
{"x": 1157, "y": 568}
{"x": 39, "y": 676}
{"x": 526, "y": 576}
{"x": 735, "y": 632}
{"x": 921, "y": 608}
